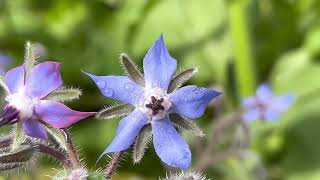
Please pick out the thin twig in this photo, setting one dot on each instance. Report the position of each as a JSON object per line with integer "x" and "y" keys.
{"x": 74, "y": 158}
{"x": 113, "y": 164}
{"x": 217, "y": 130}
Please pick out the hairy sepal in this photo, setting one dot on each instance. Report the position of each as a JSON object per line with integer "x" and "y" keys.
{"x": 64, "y": 94}
{"x": 181, "y": 78}
{"x": 187, "y": 125}
{"x": 115, "y": 111}
{"x": 141, "y": 143}
{"x": 132, "y": 70}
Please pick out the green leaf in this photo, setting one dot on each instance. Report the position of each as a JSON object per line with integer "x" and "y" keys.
{"x": 115, "y": 111}
{"x": 132, "y": 70}
{"x": 141, "y": 143}
{"x": 181, "y": 78}
{"x": 18, "y": 138}
{"x": 58, "y": 137}
{"x": 64, "y": 94}
{"x": 186, "y": 124}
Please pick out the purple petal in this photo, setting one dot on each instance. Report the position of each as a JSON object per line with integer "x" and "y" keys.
{"x": 43, "y": 79}
{"x": 128, "y": 129}
{"x": 271, "y": 115}
{"x": 58, "y": 115}
{"x": 249, "y": 102}
{"x": 251, "y": 114}
{"x": 118, "y": 87}
{"x": 264, "y": 93}
{"x": 169, "y": 145}
{"x": 282, "y": 103}
{"x": 191, "y": 101}
{"x": 159, "y": 66}
{"x": 33, "y": 128}
{"x": 15, "y": 79}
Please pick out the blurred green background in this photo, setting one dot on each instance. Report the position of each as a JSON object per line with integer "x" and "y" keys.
{"x": 236, "y": 44}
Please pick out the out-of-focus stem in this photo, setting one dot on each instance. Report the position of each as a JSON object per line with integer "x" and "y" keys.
{"x": 238, "y": 23}
{"x": 214, "y": 138}
{"x": 75, "y": 161}
{"x": 113, "y": 164}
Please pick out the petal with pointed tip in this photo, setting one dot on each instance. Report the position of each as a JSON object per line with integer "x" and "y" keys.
{"x": 118, "y": 87}
{"x": 58, "y": 115}
{"x": 33, "y": 128}
{"x": 251, "y": 114}
{"x": 14, "y": 79}
{"x": 159, "y": 66}
{"x": 191, "y": 101}
{"x": 128, "y": 129}
{"x": 43, "y": 79}
{"x": 169, "y": 145}
{"x": 264, "y": 93}
{"x": 271, "y": 115}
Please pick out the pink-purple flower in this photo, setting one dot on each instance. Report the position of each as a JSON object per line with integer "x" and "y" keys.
{"x": 265, "y": 105}
{"x": 153, "y": 104}
{"x": 26, "y": 103}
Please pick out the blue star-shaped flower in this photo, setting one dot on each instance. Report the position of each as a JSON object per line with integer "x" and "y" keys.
{"x": 153, "y": 105}
{"x": 265, "y": 105}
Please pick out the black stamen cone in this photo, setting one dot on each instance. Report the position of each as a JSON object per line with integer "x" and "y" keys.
{"x": 9, "y": 115}
{"x": 155, "y": 105}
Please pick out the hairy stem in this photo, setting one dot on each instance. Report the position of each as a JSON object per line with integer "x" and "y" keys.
{"x": 74, "y": 158}
{"x": 113, "y": 164}
{"x": 215, "y": 137}
{"x": 54, "y": 153}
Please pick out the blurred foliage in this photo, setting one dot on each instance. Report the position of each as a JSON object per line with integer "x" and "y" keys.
{"x": 284, "y": 37}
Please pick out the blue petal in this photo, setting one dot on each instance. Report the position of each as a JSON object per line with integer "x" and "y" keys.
{"x": 14, "y": 79}
{"x": 159, "y": 66}
{"x": 118, "y": 87}
{"x": 251, "y": 114}
{"x": 271, "y": 115}
{"x": 249, "y": 102}
{"x": 33, "y": 128}
{"x": 169, "y": 145}
{"x": 43, "y": 79}
{"x": 128, "y": 129}
{"x": 191, "y": 101}
{"x": 282, "y": 103}
{"x": 264, "y": 93}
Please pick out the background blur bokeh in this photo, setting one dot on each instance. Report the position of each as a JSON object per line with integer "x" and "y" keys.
{"x": 236, "y": 44}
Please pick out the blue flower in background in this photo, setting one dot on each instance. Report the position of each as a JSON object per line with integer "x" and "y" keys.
{"x": 4, "y": 62}
{"x": 265, "y": 105}
{"x": 26, "y": 101}
{"x": 153, "y": 105}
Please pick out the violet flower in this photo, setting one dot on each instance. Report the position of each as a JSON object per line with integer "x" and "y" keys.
{"x": 152, "y": 104}
{"x": 265, "y": 105}
{"x": 26, "y": 103}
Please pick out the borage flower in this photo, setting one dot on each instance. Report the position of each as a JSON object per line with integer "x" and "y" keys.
{"x": 265, "y": 105}
{"x": 154, "y": 98}
{"x": 28, "y": 100}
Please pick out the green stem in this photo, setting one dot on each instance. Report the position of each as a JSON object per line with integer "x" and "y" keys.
{"x": 241, "y": 44}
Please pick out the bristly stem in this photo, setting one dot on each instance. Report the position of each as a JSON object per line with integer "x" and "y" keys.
{"x": 214, "y": 138}
{"x": 113, "y": 164}
{"x": 55, "y": 154}
{"x": 74, "y": 158}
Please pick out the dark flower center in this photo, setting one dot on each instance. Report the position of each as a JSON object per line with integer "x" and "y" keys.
{"x": 155, "y": 105}
{"x": 9, "y": 115}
